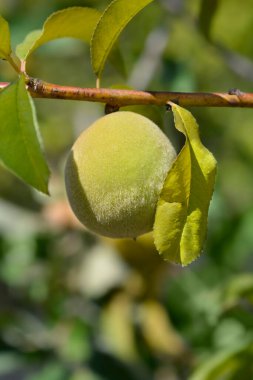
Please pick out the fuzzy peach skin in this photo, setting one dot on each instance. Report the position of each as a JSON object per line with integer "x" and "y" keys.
{"x": 115, "y": 172}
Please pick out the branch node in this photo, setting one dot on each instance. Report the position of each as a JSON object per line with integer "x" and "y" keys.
{"x": 109, "y": 108}
{"x": 235, "y": 91}
{"x": 35, "y": 84}
{"x": 170, "y": 104}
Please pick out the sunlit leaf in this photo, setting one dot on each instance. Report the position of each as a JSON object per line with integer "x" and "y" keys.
{"x": 25, "y": 47}
{"x": 74, "y": 22}
{"x": 158, "y": 330}
{"x": 20, "y": 149}
{"x": 5, "y": 43}
{"x": 117, "y": 329}
{"x": 112, "y": 22}
{"x": 181, "y": 215}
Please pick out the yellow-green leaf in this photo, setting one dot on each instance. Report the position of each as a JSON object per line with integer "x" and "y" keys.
{"x": 112, "y": 22}
{"x": 181, "y": 216}
{"x": 20, "y": 148}
{"x": 25, "y": 47}
{"x": 5, "y": 42}
{"x": 74, "y": 22}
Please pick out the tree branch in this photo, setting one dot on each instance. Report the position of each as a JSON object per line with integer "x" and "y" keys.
{"x": 120, "y": 98}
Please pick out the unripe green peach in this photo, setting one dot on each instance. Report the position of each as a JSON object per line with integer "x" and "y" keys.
{"x": 115, "y": 172}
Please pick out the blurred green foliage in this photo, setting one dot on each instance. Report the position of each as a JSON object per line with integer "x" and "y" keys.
{"x": 77, "y": 307}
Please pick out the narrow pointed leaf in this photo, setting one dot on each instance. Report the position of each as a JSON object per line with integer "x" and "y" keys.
{"x": 181, "y": 216}
{"x": 20, "y": 149}
{"x": 112, "y": 22}
{"x": 74, "y": 22}
{"x": 5, "y": 41}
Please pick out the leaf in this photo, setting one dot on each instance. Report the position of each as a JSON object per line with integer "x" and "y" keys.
{"x": 112, "y": 22}
{"x": 53, "y": 370}
{"x": 117, "y": 61}
{"x": 238, "y": 287}
{"x": 158, "y": 331}
{"x": 9, "y": 363}
{"x": 206, "y": 15}
{"x": 5, "y": 41}
{"x": 226, "y": 363}
{"x": 20, "y": 149}
{"x": 232, "y": 29}
{"x": 74, "y": 22}
{"x": 181, "y": 215}
{"x": 25, "y": 48}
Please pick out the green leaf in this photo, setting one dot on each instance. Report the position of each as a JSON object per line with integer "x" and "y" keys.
{"x": 112, "y": 22}
{"x": 10, "y": 362}
{"x": 20, "y": 149}
{"x": 207, "y": 12}
{"x": 51, "y": 371}
{"x": 181, "y": 215}
{"x": 5, "y": 41}
{"x": 74, "y": 22}
{"x": 117, "y": 61}
{"x": 226, "y": 363}
{"x": 238, "y": 287}
{"x": 236, "y": 35}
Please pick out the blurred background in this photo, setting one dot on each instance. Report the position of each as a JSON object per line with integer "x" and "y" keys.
{"x": 76, "y": 306}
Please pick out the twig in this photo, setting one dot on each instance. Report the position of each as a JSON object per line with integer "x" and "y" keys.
{"x": 120, "y": 98}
